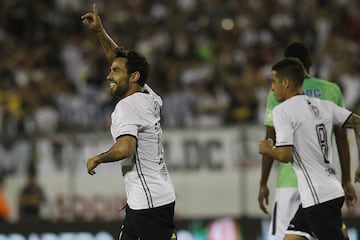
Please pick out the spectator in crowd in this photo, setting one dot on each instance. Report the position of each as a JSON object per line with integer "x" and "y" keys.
{"x": 31, "y": 199}
{"x": 349, "y": 80}
{"x": 4, "y": 206}
{"x": 177, "y": 111}
{"x": 210, "y": 103}
{"x": 245, "y": 34}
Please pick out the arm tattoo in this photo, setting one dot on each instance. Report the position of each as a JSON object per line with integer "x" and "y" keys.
{"x": 106, "y": 157}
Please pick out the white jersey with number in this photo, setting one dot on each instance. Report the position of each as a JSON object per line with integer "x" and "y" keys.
{"x": 147, "y": 181}
{"x": 306, "y": 124}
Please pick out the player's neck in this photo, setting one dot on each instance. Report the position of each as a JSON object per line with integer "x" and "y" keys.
{"x": 132, "y": 91}
{"x": 293, "y": 92}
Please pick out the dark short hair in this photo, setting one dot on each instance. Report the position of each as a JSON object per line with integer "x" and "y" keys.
{"x": 300, "y": 51}
{"x": 290, "y": 68}
{"x": 135, "y": 63}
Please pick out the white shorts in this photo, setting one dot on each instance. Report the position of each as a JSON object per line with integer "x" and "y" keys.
{"x": 286, "y": 203}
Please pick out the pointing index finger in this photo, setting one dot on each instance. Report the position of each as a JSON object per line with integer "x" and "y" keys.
{"x": 95, "y": 9}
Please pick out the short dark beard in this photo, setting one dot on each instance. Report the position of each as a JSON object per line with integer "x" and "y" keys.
{"x": 121, "y": 92}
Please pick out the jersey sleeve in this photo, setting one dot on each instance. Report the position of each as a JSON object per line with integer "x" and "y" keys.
{"x": 283, "y": 127}
{"x": 340, "y": 114}
{"x": 270, "y": 104}
{"x": 124, "y": 121}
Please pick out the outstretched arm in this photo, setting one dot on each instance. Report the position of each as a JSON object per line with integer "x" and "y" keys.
{"x": 93, "y": 22}
{"x": 344, "y": 157}
{"x": 266, "y": 164}
{"x": 354, "y": 122}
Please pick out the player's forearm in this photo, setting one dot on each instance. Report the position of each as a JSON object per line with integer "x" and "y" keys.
{"x": 357, "y": 137}
{"x": 354, "y": 122}
{"x": 109, "y": 156}
{"x": 116, "y": 153}
{"x": 344, "y": 153}
{"x": 266, "y": 165}
{"x": 282, "y": 154}
{"x": 105, "y": 157}
{"x": 267, "y": 161}
{"x": 108, "y": 44}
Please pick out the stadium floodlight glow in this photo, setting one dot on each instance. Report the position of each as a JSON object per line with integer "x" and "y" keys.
{"x": 227, "y": 24}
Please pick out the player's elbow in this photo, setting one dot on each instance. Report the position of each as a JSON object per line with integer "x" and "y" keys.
{"x": 124, "y": 153}
{"x": 120, "y": 153}
{"x": 284, "y": 156}
{"x": 285, "y": 159}
{"x": 124, "y": 147}
{"x": 128, "y": 153}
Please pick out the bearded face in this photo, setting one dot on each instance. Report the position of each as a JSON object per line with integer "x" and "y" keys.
{"x": 119, "y": 80}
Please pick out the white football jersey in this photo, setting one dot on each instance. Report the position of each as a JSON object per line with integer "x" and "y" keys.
{"x": 307, "y": 124}
{"x": 147, "y": 181}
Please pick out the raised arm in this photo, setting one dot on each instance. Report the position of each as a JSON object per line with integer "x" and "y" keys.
{"x": 354, "y": 122}
{"x": 93, "y": 22}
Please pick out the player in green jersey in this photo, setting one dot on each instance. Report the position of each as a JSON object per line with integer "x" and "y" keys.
{"x": 287, "y": 198}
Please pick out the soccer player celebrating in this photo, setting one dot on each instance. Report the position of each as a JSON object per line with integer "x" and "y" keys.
{"x": 303, "y": 127}
{"x": 136, "y": 131}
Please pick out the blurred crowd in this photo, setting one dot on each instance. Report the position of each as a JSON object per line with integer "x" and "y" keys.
{"x": 210, "y": 59}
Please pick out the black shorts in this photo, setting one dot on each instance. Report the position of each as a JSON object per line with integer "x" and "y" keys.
{"x": 149, "y": 224}
{"x": 323, "y": 221}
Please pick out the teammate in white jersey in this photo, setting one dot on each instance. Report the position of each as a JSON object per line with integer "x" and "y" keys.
{"x": 303, "y": 127}
{"x": 287, "y": 196}
{"x": 136, "y": 131}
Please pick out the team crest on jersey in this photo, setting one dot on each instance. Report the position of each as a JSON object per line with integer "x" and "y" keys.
{"x": 331, "y": 171}
{"x": 315, "y": 111}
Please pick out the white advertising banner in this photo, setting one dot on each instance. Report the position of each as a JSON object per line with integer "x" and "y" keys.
{"x": 215, "y": 172}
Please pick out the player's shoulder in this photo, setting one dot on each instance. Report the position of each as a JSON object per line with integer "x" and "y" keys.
{"x": 128, "y": 103}
{"x": 290, "y": 104}
{"x": 320, "y": 102}
{"x": 129, "y": 108}
{"x": 140, "y": 102}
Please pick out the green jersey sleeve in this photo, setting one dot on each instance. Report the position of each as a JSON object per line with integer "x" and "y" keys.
{"x": 270, "y": 104}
